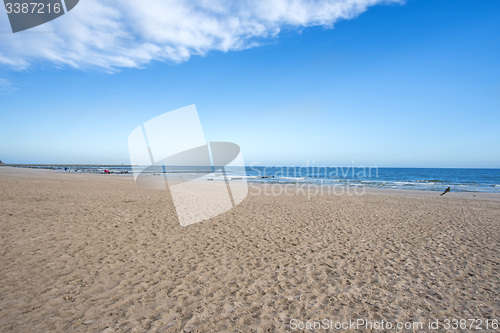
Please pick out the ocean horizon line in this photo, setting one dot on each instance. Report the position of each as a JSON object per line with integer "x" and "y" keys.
{"x": 428, "y": 179}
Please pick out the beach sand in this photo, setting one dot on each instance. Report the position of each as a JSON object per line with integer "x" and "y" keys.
{"x": 85, "y": 252}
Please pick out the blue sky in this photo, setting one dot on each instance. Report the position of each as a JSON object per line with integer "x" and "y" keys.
{"x": 412, "y": 84}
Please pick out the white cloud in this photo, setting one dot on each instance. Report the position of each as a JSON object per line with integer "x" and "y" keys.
{"x": 129, "y": 33}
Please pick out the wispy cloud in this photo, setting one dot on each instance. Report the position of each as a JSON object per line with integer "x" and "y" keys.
{"x": 6, "y": 87}
{"x": 129, "y": 33}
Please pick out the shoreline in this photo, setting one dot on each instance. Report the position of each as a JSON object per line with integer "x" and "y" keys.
{"x": 366, "y": 189}
{"x": 390, "y": 192}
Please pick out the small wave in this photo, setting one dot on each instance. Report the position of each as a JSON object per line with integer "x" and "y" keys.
{"x": 431, "y": 181}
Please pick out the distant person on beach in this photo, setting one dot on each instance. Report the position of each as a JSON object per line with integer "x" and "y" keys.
{"x": 446, "y": 191}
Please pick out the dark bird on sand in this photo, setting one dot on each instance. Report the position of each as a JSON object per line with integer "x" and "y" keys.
{"x": 446, "y": 191}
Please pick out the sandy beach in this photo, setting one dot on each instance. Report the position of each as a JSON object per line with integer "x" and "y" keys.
{"x": 91, "y": 252}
